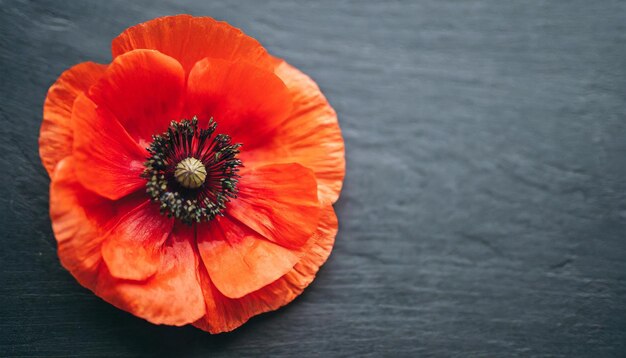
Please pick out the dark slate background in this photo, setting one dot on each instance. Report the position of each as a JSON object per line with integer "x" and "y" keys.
{"x": 484, "y": 207}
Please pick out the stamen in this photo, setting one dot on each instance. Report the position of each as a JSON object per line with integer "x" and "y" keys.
{"x": 192, "y": 176}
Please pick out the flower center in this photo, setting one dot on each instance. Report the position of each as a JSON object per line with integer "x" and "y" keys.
{"x": 191, "y": 173}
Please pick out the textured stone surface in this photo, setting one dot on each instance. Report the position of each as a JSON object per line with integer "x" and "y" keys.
{"x": 484, "y": 208}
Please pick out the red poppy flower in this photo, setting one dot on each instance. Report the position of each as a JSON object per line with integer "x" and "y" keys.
{"x": 192, "y": 178}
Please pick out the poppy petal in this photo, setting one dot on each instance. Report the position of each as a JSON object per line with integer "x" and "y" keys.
{"x": 132, "y": 249}
{"x": 144, "y": 90}
{"x": 279, "y": 202}
{"x": 107, "y": 160}
{"x": 238, "y": 259}
{"x": 246, "y": 101}
{"x": 78, "y": 217}
{"x": 190, "y": 39}
{"x": 55, "y": 136}
{"x": 172, "y": 295}
{"x": 310, "y": 135}
{"x": 224, "y": 314}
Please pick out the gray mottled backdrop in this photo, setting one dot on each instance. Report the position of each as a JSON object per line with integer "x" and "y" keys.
{"x": 484, "y": 207}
